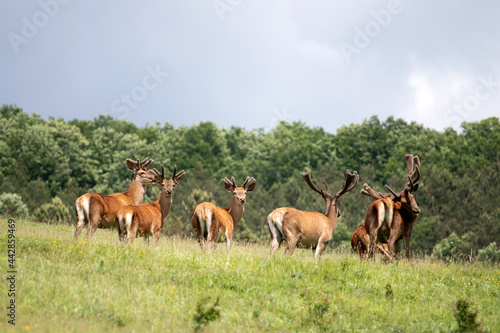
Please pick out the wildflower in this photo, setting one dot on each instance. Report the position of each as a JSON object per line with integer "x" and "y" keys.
{"x": 116, "y": 308}
{"x": 54, "y": 241}
{"x": 26, "y": 327}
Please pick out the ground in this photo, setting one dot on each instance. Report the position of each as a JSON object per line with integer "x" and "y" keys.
{"x": 102, "y": 285}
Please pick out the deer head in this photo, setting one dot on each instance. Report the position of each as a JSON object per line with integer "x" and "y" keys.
{"x": 168, "y": 185}
{"x": 239, "y": 192}
{"x": 405, "y": 197}
{"x": 142, "y": 174}
{"x": 350, "y": 182}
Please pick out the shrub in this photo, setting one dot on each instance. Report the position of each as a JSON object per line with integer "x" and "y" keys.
{"x": 453, "y": 247}
{"x": 466, "y": 318}
{"x": 11, "y": 204}
{"x": 55, "y": 211}
{"x": 206, "y": 313}
{"x": 489, "y": 254}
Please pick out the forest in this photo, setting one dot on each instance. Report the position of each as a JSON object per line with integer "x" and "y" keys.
{"x": 45, "y": 165}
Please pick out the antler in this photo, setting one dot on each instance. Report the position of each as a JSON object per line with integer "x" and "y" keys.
{"x": 159, "y": 176}
{"x": 249, "y": 181}
{"x": 351, "y": 180}
{"x": 140, "y": 164}
{"x": 229, "y": 183}
{"x": 394, "y": 194}
{"x": 368, "y": 191}
{"x": 307, "y": 178}
{"x": 146, "y": 162}
{"x": 180, "y": 174}
{"x": 411, "y": 183}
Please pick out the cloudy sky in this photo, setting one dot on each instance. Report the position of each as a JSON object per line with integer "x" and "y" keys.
{"x": 253, "y": 63}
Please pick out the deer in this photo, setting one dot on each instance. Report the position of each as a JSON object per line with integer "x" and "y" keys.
{"x": 360, "y": 243}
{"x": 392, "y": 215}
{"x": 208, "y": 219}
{"x": 98, "y": 210}
{"x": 147, "y": 219}
{"x": 308, "y": 229}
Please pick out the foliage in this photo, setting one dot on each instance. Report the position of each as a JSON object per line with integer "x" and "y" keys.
{"x": 55, "y": 211}
{"x": 489, "y": 254}
{"x": 453, "y": 247}
{"x": 206, "y": 313}
{"x": 41, "y": 159}
{"x": 11, "y": 204}
{"x": 466, "y": 318}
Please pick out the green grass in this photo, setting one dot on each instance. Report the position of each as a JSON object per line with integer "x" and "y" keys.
{"x": 101, "y": 285}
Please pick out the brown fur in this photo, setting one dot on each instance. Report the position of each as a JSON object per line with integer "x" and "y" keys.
{"x": 308, "y": 229}
{"x": 390, "y": 228}
{"x": 99, "y": 210}
{"x": 221, "y": 219}
{"x": 147, "y": 219}
{"x": 360, "y": 243}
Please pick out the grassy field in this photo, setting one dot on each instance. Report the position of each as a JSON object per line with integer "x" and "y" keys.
{"x": 101, "y": 285}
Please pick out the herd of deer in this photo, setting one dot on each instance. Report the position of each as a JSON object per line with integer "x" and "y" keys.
{"x": 388, "y": 219}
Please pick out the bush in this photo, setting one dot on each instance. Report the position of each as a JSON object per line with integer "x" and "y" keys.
{"x": 11, "y": 204}
{"x": 55, "y": 211}
{"x": 489, "y": 254}
{"x": 453, "y": 247}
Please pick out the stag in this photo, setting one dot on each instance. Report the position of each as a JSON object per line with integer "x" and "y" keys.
{"x": 360, "y": 243}
{"x": 147, "y": 219}
{"x": 208, "y": 219}
{"x": 100, "y": 210}
{"x": 392, "y": 215}
{"x": 308, "y": 229}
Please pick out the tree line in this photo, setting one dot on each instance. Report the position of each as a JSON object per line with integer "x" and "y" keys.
{"x": 46, "y": 164}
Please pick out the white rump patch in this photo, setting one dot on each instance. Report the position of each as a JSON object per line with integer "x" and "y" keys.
{"x": 85, "y": 204}
{"x": 275, "y": 222}
{"x": 205, "y": 224}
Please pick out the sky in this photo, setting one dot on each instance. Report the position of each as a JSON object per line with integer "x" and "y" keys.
{"x": 253, "y": 63}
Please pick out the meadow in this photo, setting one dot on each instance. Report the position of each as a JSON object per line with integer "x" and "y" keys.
{"x": 63, "y": 285}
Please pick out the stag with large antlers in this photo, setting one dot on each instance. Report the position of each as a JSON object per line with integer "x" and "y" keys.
{"x": 147, "y": 219}
{"x": 208, "y": 219}
{"x": 308, "y": 229}
{"x": 392, "y": 215}
{"x": 100, "y": 210}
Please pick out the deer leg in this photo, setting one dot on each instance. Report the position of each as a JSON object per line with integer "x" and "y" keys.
{"x": 396, "y": 249}
{"x": 275, "y": 244}
{"x": 320, "y": 248}
{"x": 95, "y": 219}
{"x": 291, "y": 243}
{"x": 229, "y": 238}
{"x": 156, "y": 236}
{"x": 276, "y": 237}
{"x": 373, "y": 242}
{"x": 212, "y": 236}
{"x": 198, "y": 231}
{"x": 406, "y": 237}
{"x": 132, "y": 230}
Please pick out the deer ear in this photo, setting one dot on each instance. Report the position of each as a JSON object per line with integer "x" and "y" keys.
{"x": 177, "y": 182}
{"x": 251, "y": 187}
{"x": 397, "y": 205}
{"x": 130, "y": 165}
{"x": 228, "y": 185}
